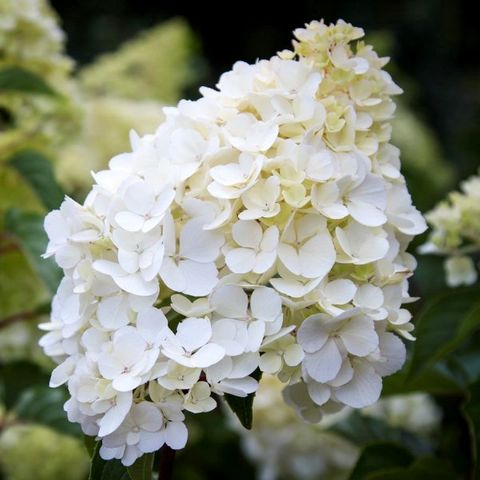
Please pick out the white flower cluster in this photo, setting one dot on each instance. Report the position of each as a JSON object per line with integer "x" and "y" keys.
{"x": 30, "y": 37}
{"x": 261, "y": 226}
{"x": 456, "y": 232}
{"x": 31, "y": 40}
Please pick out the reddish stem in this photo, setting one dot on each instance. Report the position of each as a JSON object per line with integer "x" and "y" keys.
{"x": 165, "y": 465}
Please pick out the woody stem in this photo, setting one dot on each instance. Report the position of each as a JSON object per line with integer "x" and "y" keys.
{"x": 166, "y": 462}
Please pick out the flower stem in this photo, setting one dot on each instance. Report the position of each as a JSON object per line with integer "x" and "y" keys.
{"x": 18, "y": 317}
{"x": 165, "y": 465}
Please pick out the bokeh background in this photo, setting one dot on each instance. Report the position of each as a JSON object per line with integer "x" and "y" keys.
{"x": 124, "y": 60}
{"x": 433, "y": 44}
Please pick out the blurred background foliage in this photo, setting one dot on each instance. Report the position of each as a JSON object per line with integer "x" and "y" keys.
{"x": 67, "y": 102}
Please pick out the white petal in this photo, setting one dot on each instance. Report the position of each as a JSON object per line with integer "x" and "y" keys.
{"x": 313, "y": 333}
{"x": 362, "y": 244}
{"x": 108, "y": 268}
{"x": 251, "y": 214}
{"x": 319, "y": 393}
{"x": 270, "y": 239}
{"x": 68, "y": 256}
{"x": 228, "y": 175}
{"x": 292, "y": 287}
{"x": 208, "y": 355}
{"x": 220, "y": 370}
{"x": 137, "y": 285}
{"x": 129, "y": 221}
{"x": 393, "y": 353}
{"x": 176, "y": 435}
{"x": 172, "y": 275}
{"x": 359, "y": 336}
{"x": 231, "y": 335}
{"x": 240, "y": 260}
{"x": 112, "y": 312}
{"x": 56, "y": 227}
{"x": 325, "y": 364}
{"x": 230, "y": 301}
{"x": 364, "y": 389}
{"x": 151, "y": 321}
{"x": 139, "y": 198}
{"x": 201, "y": 278}
{"x": 344, "y": 375}
{"x": 240, "y": 387}
{"x": 293, "y": 355}
{"x": 297, "y": 396}
{"x": 339, "y": 292}
{"x": 147, "y": 416}
{"x": 112, "y": 419}
{"x": 163, "y": 201}
{"x": 187, "y": 308}
{"x": 256, "y": 331}
{"x": 247, "y": 233}
{"x": 198, "y": 244}
{"x": 289, "y": 257}
{"x": 130, "y": 345}
{"x": 320, "y": 166}
{"x": 317, "y": 256}
{"x": 366, "y": 214}
{"x": 371, "y": 191}
{"x": 128, "y": 260}
{"x": 264, "y": 261}
{"x": 62, "y": 372}
{"x": 130, "y": 455}
{"x": 369, "y": 296}
{"x": 266, "y": 304}
{"x": 126, "y": 382}
{"x": 281, "y": 333}
{"x": 270, "y": 362}
{"x": 192, "y": 333}
{"x": 244, "y": 365}
{"x": 151, "y": 441}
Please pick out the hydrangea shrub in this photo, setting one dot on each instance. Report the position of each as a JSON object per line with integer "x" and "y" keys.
{"x": 263, "y": 226}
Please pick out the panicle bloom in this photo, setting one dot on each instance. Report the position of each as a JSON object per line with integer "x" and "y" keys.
{"x": 456, "y": 232}
{"x": 31, "y": 40}
{"x": 30, "y": 37}
{"x": 260, "y": 227}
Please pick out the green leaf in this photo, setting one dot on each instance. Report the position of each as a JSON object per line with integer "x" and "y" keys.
{"x": 18, "y": 377}
{"x": 90, "y": 444}
{"x": 22, "y": 80}
{"x": 16, "y": 192}
{"x": 142, "y": 468}
{"x": 28, "y": 230}
{"x": 38, "y": 172}
{"x": 379, "y": 457}
{"x": 427, "y": 468}
{"x": 101, "y": 469}
{"x": 44, "y": 405}
{"x": 242, "y": 407}
{"x": 362, "y": 430}
{"x": 21, "y": 289}
{"x": 470, "y": 362}
{"x": 440, "y": 379}
{"x": 471, "y": 411}
{"x": 443, "y": 325}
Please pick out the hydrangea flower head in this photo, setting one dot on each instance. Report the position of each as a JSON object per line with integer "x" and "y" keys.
{"x": 260, "y": 227}
{"x": 456, "y": 232}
